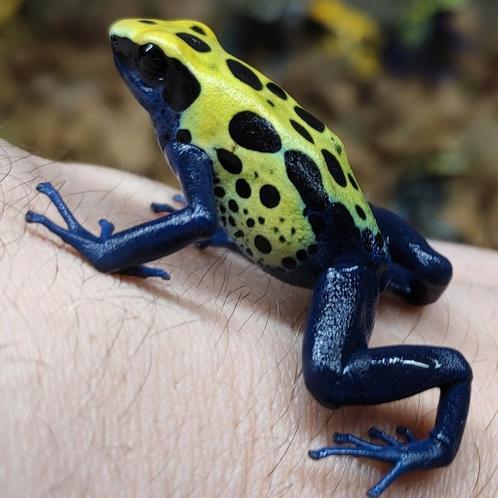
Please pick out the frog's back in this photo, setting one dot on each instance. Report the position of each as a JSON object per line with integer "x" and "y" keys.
{"x": 284, "y": 188}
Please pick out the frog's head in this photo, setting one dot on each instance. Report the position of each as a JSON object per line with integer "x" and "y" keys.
{"x": 155, "y": 58}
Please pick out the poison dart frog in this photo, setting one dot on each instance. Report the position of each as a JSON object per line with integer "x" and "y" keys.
{"x": 262, "y": 175}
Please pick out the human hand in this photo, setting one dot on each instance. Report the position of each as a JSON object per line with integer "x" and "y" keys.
{"x": 117, "y": 386}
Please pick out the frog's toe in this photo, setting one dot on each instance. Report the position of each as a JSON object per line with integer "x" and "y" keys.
{"x": 359, "y": 448}
{"x": 145, "y": 272}
{"x": 106, "y": 228}
{"x": 162, "y": 207}
{"x": 158, "y": 207}
{"x": 375, "y": 433}
{"x": 406, "y": 433}
{"x": 32, "y": 217}
{"x": 46, "y": 188}
{"x": 63, "y": 233}
{"x": 180, "y": 199}
{"x": 341, "y": 438}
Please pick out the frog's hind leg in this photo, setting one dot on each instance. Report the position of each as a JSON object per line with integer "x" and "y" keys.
{"x": 340, "y": 369}
{"x": 417, "y": 272}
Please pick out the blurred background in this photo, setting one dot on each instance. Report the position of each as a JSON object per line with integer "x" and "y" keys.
{"x": 411, "y": 87}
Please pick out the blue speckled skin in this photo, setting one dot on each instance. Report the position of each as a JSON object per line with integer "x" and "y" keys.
{"x": 339, "y": 368}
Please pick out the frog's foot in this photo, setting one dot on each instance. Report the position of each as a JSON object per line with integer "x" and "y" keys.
{"x": 145, "y": 271}
{"x": 75, "y": 232}
{"x": 87, "y": 244}
{"x": 409, "y": 455}
{"x": 218, "y": 239}
{"x": 158, "y": 207}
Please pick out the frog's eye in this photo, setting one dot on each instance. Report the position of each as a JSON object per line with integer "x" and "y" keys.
{"x": 152, "y": 64}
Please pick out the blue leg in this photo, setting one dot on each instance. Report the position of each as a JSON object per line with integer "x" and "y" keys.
{"x": 417, "y": 272}
{"x": 339, "y": 369}
{"x": 219, "y": 239}
{"x": 126, "y": 251}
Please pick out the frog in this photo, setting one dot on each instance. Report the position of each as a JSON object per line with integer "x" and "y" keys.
{"x": 265, "y": 177}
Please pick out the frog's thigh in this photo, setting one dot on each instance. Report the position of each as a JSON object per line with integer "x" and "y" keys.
{"x": 340, "y": 369}
{"x": 418, "y": 273}
{"x": 337, "y": 327}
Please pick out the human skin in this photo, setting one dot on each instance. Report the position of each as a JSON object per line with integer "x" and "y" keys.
{"x": 118, "y": 386}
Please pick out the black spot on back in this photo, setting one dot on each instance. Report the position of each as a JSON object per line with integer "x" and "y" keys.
{"x": 229, "y": 161}
{"x": 306, "y": 177}
{"x": 198, "y": 29}
{"x": 289, "y": 263}
{"x": 269, "y": 196}
{"x": 242, "y": 188}
{"x": 271, "y": 103}
{"x": 276, "y": 90}
{"x": 352, "y": 181}
{"x": 309, "y": 119}
{"x": 195, "y": 42}
{"x": 360, "y": 212}
{"x": 147, "y": 21}
{"x": 334, "y": 168}
{"x": 253, "y": 132}
{"x": 184, "y": 136}
{"x": 233, "y": 206}
{"x": 250, "y": 222}
{"x": 301, "y": 255}
{"x": 219, "y": 191}
{"x": 244, "y": 74}
{"x": 302, "y": 131}
{"x": 181, "y": 87}
{"x": 262, "y": 244}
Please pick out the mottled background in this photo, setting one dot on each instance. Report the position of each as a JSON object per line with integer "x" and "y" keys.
{"x": 410, "y": 86}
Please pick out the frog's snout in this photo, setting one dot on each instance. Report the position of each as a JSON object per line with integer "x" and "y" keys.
{"x": 123, "y": 47}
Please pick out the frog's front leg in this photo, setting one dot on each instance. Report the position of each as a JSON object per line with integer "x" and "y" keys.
{"x": 219, "y": 238}
{"x": 126, "y": 251}
{"x": 339, "y": 369}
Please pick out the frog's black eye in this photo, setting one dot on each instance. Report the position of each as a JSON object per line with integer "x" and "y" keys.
{"x": 152, "y": 64}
